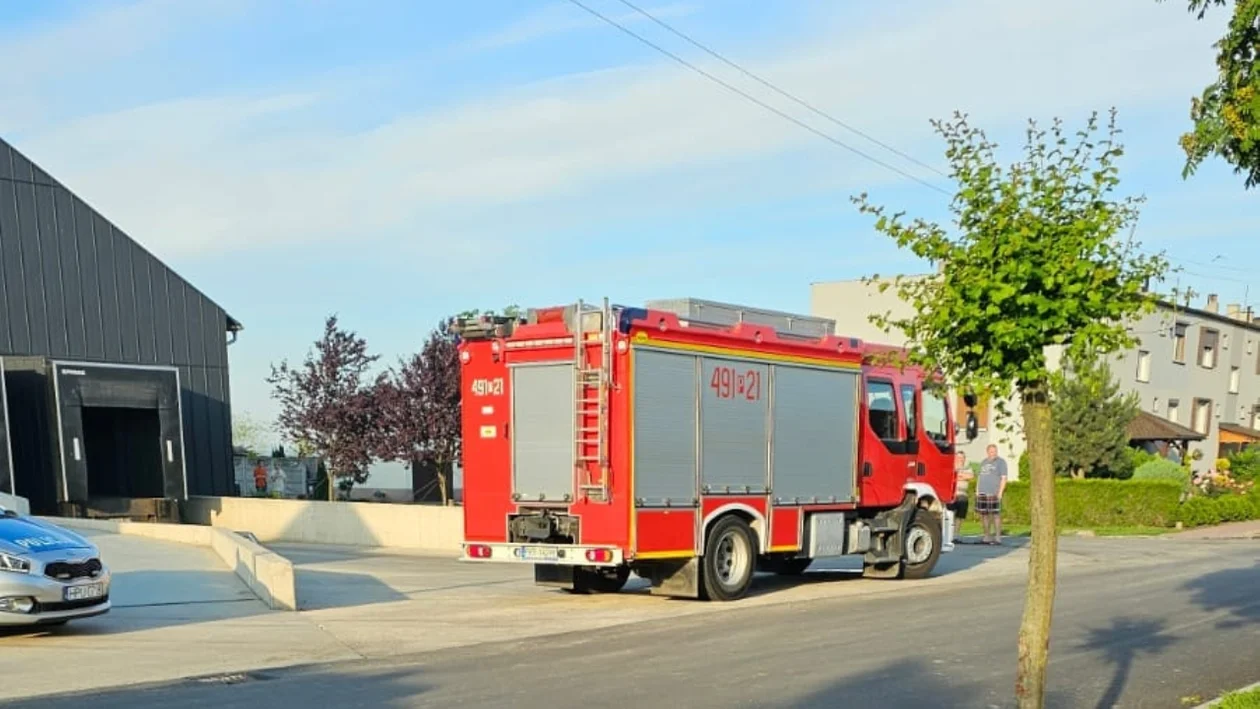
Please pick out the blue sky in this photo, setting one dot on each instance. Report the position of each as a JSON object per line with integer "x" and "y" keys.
{"x": 395, "y": 162}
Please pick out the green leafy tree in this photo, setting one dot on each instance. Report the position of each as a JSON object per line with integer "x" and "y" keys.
{"x": 1034, "y": 262}
{"x": 249, "y": 434}
{"x": 1227, "y": 114}
{"x": 1091, "y": 420}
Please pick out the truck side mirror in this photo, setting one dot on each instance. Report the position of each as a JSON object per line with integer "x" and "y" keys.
{"x": 973, "y": 426}
{"x": 970, "y": 399}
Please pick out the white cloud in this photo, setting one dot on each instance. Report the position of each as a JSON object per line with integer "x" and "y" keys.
{"x": 208, "y": 174}
{"x": 39, "y": 58}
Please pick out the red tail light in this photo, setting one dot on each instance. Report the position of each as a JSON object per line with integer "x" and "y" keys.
{"x": 599, "y": 556}
{"x": 478, "y": 551}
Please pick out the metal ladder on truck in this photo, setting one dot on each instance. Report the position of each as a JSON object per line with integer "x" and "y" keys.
{"x": 593, "y": 384}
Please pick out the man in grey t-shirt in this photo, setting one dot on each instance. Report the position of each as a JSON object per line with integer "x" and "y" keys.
{"x": 990, "y": 486}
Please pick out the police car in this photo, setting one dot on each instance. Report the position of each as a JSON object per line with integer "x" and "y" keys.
{"x": 48, "y": 575}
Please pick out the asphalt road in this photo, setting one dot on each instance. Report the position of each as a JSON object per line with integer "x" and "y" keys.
{"x": 1185, "y": 625}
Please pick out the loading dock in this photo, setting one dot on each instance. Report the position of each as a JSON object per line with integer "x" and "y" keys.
{"x": 115, "y": 438}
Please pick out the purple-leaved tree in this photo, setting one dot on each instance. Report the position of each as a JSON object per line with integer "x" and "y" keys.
{"x": 421, "y": 409}
{"x": 330, "y": 405}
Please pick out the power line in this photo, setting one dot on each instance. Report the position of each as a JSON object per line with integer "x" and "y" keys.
{"x": 695, "y": 43}
{"x": 1200, "y": 264}
{"x": 829, "y": 138}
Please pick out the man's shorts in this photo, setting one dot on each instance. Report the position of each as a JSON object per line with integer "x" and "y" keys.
{"x": 988, "y": 505}
{"x": 959, "y": 505}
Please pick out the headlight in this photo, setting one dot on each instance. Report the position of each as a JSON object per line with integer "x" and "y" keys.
{"x": 16, "y": 564}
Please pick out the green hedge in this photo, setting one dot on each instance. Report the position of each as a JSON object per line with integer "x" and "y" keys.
{"x": 1100, "y": 503}
{"x": 1202, "y": 511}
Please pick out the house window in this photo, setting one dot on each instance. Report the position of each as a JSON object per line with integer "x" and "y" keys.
{"x": 1179, "y": 342}
{"x": 1144, "y": 366}
{"x": 981, "y": 411}
{"x": 1225, "y": 341}
{"x": 1202, "y": 415}
{"x": 1209, "y": 340}
{"x": 1255, "y": 418}
{"x": 1234, "y": 377}
{"x": 1174, "y": 406}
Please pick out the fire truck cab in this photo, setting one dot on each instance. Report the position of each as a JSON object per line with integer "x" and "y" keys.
{"x": 694, "y": 443}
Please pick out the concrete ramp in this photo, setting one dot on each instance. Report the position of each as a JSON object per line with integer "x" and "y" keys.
{"x": 150, "y": 572}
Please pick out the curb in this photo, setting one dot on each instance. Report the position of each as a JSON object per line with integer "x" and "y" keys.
{"x": 266, "y": 573}
{"x": 1215, "y": 702}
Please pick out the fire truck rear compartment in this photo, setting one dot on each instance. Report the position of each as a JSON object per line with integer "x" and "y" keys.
{"x": 543, "y": 429}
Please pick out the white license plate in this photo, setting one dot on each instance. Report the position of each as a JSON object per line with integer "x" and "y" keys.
{"x": 85, "y": 592}
{"x": 538, "y": 553}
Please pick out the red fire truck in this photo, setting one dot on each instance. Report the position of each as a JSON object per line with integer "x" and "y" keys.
{"x": 693, "y": 443}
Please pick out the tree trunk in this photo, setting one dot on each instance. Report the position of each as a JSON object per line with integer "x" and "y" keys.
{"x": 442, "y": 467}
{"x": 1034, "y": 628}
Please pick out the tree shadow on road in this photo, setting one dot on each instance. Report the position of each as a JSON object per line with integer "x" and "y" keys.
{"x": 1229, "y": 590}
{"x": 1121, "y": 644}
{"x": 914, "y": 684}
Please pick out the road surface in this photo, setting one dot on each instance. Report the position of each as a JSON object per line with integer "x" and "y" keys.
{"x": 1183, "y": 622}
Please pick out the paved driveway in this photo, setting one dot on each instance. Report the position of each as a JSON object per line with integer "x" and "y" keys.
{"x": 1138, "y": 623}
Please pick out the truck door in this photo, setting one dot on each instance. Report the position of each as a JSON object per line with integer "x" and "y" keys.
{"x": 883, "y": 447}
{"x": 915, "y": 470}
{"x": 936, "y": 441}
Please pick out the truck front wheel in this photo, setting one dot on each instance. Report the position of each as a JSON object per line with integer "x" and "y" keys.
{"x": 923, "y": 544}
{"x": 730, "y": 557}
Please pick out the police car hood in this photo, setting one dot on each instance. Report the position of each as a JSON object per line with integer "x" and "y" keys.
{"x": 23, "y": 535}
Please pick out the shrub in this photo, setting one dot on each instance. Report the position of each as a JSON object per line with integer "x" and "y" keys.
{"x": 1222, "y": 464}
{"x": 1025, "y": 468}
{"x": 1245, "y": 464}
{"x": 1162, "y": 469}
{"x": 1200, "y": 511}
{"x": 1102, "y": 503}
{"x": 1139, "y": 457}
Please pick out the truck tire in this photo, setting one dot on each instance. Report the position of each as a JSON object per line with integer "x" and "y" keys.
{"x": 730, "y": 558}
{"x": 786, "y": 567}
{"x": 923, "y": 544}
{"x": 600, "y": 579}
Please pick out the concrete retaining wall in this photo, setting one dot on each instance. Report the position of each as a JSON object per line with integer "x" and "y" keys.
{"x": 268, "y": 575}
{"x": 419, "y": 527}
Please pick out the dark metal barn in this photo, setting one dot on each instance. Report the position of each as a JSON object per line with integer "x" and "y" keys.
{"x": 115, "y": 368}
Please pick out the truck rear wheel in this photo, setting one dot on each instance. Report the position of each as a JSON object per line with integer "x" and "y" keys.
{"x": 923, "y": 544}
{"x": 730, "y": 557}
{"x": 600, "y": 579}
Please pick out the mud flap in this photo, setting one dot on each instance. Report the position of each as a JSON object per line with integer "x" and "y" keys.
{"x": 554, "y": 575}
{"x": 678, "y": 579}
